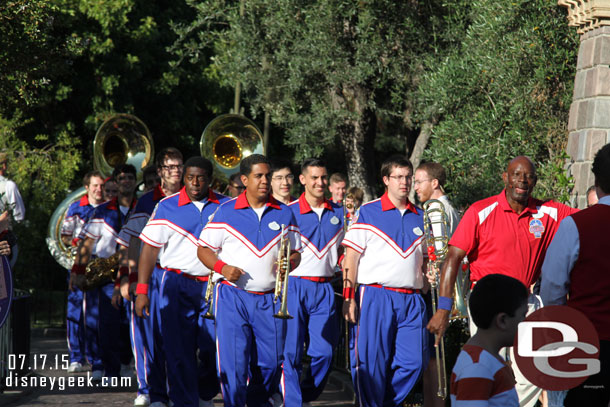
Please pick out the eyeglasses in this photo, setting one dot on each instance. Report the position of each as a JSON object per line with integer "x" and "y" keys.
{"x": 281, "y": 178}
{"x": 238, "y": 187}
{"x": 406, "y": 178}
{"x": 418, "y": 182}
{"x": 172, "y": 167}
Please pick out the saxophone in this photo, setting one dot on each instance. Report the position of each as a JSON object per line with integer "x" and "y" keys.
{"x": 100, "y": 271}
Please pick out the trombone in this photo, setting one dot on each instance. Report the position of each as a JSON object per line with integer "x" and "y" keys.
{"x": 281, "y": 287}
{"x": 436, "y": 233}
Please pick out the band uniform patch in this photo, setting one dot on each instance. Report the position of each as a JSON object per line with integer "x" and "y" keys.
{"x": 536, "y": 228}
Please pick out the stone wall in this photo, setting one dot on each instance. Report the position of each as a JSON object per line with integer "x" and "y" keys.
{"x": 589, "y": 122}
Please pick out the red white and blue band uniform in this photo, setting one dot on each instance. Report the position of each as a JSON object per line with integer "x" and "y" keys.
{"x": 391, "y": 327}
{"x": 103, "y": 229}
{"x": 148, "y": 354}
{"x": 81, "y": 323}
{"x": 311, "y": 301}
{"x": 174, "y": 227}
{"x": 249, "y": 341}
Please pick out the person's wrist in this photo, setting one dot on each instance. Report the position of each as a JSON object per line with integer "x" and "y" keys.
{"x": 349, "y": 293}
{"x": 142, "y": 289}
{"x": 445, "y": 303}
{"x": 218, "y": 266}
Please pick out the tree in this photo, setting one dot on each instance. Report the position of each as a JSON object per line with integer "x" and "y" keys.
{"x": 505, "y": 90}
{"x": 325, "y": 71}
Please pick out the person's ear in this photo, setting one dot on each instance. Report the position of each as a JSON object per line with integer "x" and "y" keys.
{"x": 501, "y": 320}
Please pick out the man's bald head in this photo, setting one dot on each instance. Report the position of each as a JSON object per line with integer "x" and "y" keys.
{"x": 523, "y": 160}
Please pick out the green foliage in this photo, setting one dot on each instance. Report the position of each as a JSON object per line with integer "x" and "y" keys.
{"x": 66, "y": 65}
{"x": 43, "y": 175}
{"x": 504, "y": 91}
{"x": 326, "y": 71}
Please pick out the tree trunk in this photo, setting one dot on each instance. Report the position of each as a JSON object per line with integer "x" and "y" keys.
{"x": 420, "y": 147}
{"x": 357, "y": 136}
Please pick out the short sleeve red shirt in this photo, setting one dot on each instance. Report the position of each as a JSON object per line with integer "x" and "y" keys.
{"x": 498, "y": 240}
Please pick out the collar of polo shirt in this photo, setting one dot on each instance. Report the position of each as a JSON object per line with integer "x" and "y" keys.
{"x": 183, "y": 198}
{"x": 387, "y": 205}
{"x": 305, "y": 207}
{"x": 241, "y": 202}
{"x": 503, "y": 202}
{"x": 158, "y": 193}
{"x": 84, "y": 201}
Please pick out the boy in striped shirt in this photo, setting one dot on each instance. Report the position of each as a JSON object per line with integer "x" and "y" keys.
{"x": 480, "y": 376}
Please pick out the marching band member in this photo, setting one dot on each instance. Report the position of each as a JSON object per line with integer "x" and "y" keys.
{"x": 311, "y": 299}
{"x": 147, "y": 346}
{"x": 388, "y": 341}
{"x": 337, "y": 187}
{"x": 82, "y": 341}
{"x": 428, "y": 182}
{"x": 282, "y": 180}
{"x": 241, "y": 243}
{"x": 171, "y": 236}
{"x": 99, "y": 240}
{"x": 353, "y": 202}
{"x": 509, "y": 234}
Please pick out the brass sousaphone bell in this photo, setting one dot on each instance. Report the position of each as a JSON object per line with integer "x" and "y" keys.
{"x": 226, "y": 141}
{"x": 121, "y": 139}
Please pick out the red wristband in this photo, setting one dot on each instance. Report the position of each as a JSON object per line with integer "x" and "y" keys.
{"x": 349, "y": 293}
{"x": 218, "y": 266}
{"x": 79, "y": 269}
{"x": 123, "y": 271}
{"x": 75, "y": 241}
{"x": 142, "y": 289}
{"x": 340, "y": 261}
{"x": 133, "y": 278}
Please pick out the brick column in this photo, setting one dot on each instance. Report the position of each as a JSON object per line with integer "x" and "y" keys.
{"x": 589, "y": 122}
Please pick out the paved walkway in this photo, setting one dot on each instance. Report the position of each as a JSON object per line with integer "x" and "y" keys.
{"x": 338, "y": 391}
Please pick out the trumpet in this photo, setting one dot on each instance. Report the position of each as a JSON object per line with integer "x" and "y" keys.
{"x": 281, "y": 288}
{"x": 346, "y": 207}
{"x": 209, "y": 296}
{"x": 436, "y": 228}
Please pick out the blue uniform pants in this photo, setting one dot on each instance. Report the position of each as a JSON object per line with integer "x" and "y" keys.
{"x": 91, "y": 310}
{"x": 249, "y": 345}
{"x": 113, "y": 333}
{"x": 312, "y": 306}
{"x": 388, "y": 346}
{"x": 151, "y": 327}
{"x": 150, "y": 366}
{"x": 75, "y": 326}
{"x": 186, "y": 334}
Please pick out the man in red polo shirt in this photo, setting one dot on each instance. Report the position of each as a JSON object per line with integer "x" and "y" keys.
{"x": 509, "y": 234}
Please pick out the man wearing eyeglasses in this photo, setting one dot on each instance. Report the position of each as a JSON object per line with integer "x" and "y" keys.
{"x": 145, "y": 333}
{"x": 388, "y": 338}
{"x": 428, "y": 184}
{"x": 282, "y": 180}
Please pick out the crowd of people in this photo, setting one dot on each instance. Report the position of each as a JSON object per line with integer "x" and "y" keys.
{"x": 181, "y": 236}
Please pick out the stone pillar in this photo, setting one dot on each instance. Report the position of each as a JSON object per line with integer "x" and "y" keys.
{"x": 589, "y": 122}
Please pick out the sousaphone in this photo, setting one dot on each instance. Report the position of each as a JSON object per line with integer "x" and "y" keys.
{"x": 121, "y": 139}
{"x": 226, "y": 141}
